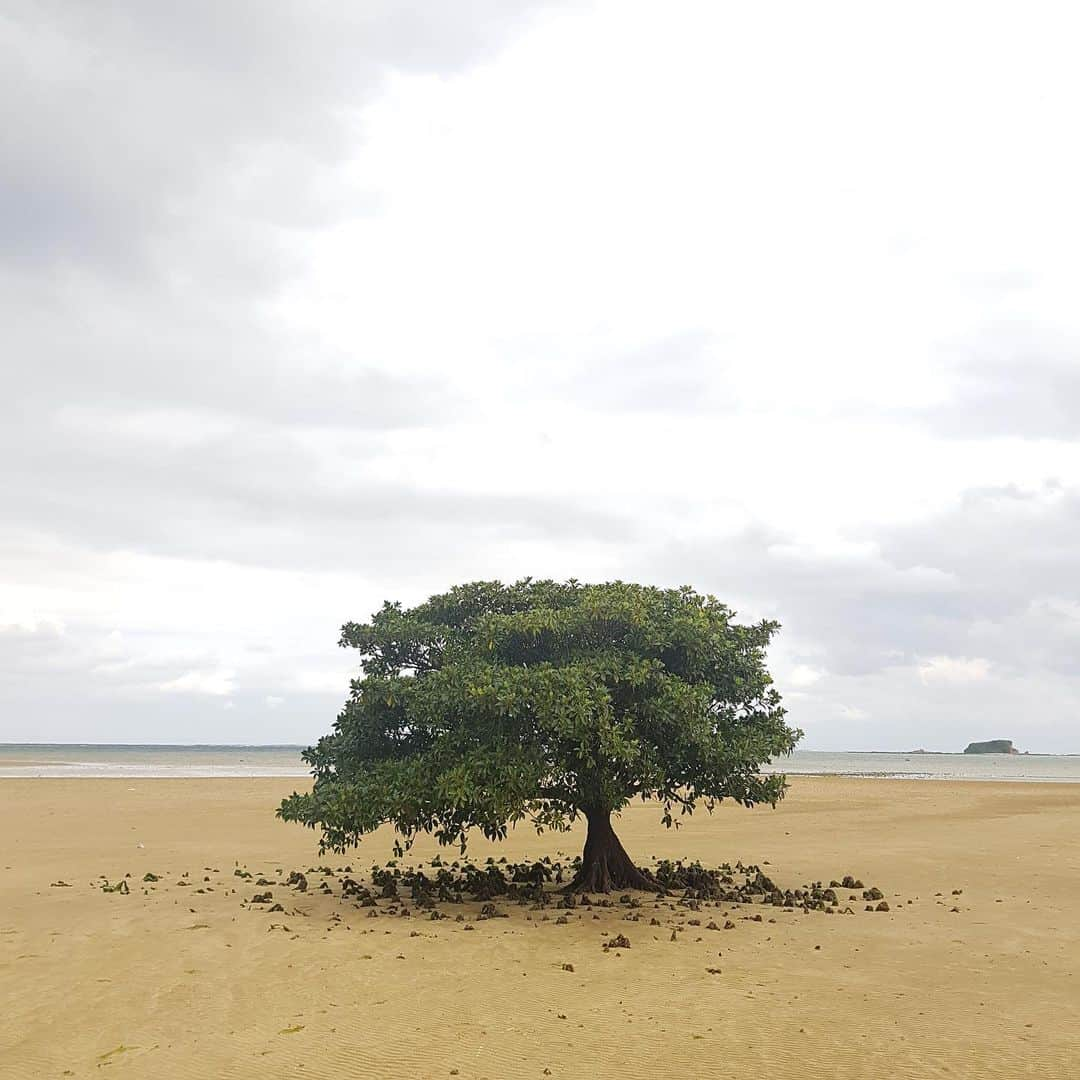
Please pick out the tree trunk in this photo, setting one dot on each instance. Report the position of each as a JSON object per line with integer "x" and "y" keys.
{"x": 604, "y": 863}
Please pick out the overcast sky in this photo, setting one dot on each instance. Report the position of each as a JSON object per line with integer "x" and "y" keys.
{"x": 306, "y": 306}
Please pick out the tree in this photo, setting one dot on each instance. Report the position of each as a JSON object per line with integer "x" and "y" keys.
{"x": 544, "y": 701}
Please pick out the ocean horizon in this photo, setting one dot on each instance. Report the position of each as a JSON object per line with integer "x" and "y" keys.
{"x": 207, "y": 760}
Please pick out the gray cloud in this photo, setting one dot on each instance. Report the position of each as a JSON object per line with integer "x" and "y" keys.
{"x": 146, "y": 159}
{"x": 127, "y": 124}
{"x": 993, "y": 576}
{"x": 85, "y": 348}
{"x": 148, "y": 164}
{"x": 852, "y": 613}
{"x": 1011, "y": 381}
{"x": 1015, "y": 555}
{"x": 990, "y": 587}
{"x": 258, "y": 494}
{"x": 56, "y": 683}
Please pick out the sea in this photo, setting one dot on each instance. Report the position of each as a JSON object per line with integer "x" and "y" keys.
{"x": 100, "y": 760}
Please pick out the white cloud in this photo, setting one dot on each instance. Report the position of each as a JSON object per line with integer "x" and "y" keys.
{"x": 322, "y": 681}
{"x": 954, "y": 670}
{"x": 853, "y": 712}
{"x": 804, "y": 675}
{"x": 214, "y": 683}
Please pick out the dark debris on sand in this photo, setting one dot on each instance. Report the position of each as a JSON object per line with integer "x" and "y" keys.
{"x": 682, "y": 893}
{"x": 400, "y": 891}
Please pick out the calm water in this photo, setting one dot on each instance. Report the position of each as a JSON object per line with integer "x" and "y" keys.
{"x": 1052, "y": 768}
{"x": 21, "y": 759}
{"x": 76, "y": 759}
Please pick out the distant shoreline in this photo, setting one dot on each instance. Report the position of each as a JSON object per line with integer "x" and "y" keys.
{"x": 300, "y": 747}
{"x": 151, "y": 746}
{"x": 285, "y": 761}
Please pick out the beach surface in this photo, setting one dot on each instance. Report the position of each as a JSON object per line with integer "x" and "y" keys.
{"x": 167, "y": 981}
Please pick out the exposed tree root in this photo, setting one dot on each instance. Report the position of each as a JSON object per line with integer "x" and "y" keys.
{"x": 605, "y": 866}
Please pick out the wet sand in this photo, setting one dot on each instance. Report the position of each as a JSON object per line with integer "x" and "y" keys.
{"x": 171, "y": 982}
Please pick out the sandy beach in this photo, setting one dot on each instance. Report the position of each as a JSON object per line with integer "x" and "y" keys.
{"x": 174, "y": 982}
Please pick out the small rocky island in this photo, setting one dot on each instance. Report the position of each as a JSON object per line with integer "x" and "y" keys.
{"x": 992, "y": 746}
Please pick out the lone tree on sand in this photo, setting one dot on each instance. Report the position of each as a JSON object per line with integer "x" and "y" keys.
{"x": 492, "y": 703}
